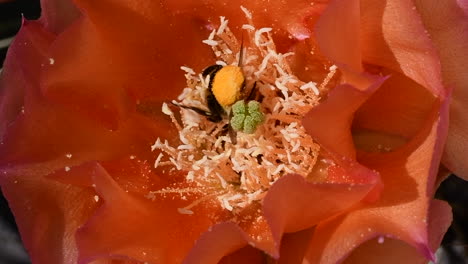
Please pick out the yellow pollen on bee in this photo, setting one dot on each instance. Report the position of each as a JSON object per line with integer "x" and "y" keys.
{"x": 227, "y": 85}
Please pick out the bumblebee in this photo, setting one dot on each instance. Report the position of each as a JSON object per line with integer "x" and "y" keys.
{"x": 226, "y": 86}
{"x": 224, "y": 89}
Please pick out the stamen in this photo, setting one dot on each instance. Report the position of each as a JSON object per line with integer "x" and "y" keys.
{"x": 329, "y": 77}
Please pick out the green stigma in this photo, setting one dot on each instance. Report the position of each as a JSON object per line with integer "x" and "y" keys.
{"x": 246, "y": 117}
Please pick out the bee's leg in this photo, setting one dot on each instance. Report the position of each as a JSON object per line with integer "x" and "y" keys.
{"x": 232, "y": 133}
{"x": 252, "y": 94}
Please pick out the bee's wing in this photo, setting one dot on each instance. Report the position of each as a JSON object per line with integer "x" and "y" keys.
{"x": 197, "y": 110}
{"x": 252, "y": 95}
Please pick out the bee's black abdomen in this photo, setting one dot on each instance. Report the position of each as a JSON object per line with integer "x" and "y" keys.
{"x": 217, "y": 111}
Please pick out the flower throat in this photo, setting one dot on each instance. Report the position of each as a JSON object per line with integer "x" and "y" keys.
{"x": 237, "y": 152}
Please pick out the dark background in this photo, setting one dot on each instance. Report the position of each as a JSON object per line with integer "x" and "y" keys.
{"x": 453, "y": 190}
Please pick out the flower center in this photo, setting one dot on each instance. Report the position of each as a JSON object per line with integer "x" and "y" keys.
{"x": 236, "y": 147}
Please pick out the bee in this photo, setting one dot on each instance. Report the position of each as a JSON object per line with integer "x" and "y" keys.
{"x": 226, "y": 86}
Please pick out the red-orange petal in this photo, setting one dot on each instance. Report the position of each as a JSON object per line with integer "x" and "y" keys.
{"x": 337, "y": 33}
{"x": 389, "y": 250}
{"x": 399, "y": 108}
{"x": 385, "y": 27}
{"x": 408, "y": 176}
{"x": 48, "y": 213}
{"x": 47, "y": 131}
{"x": 57, "y": 15}
{"x": 292, "y": 204}
{"x": 128, "y": 225}
{"x": 30, "y": 45}
{"x": 219, "y": 241}
{"x": 449, "y": 32}
{"x": 246, "y": 254}
{"x": 294, "y": 246}
{"x": 149, "y": 68}
{"x": 330, "y": 122}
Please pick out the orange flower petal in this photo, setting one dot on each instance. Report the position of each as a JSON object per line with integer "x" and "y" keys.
{"x": 330, "y": 122}
{"x": 294, "y": 247}
{"x": 76, "y": 55}
{"x": 221, "y": 240}
{"x": 48, "y": 214}
{"x": 57, "y": 15}
{"x": 448, "y": 30}
{"x": 30, "y": 45}
{"x": 391, "y": 251}
{"x": 337, "y": 33}
{"x": 292, "y": 204}
{"x": 81, "y": 175}
{"x": 386, "y": 43}
{"x": 401, "y": 102}
{"x": 67, "y": 132}
{"x": 247, "y": 254}
{"x": 151, "y": 68}
{"x": 290, "y": 20}
{"x": 138, "y": 228}
{"x": 402, "y": 210}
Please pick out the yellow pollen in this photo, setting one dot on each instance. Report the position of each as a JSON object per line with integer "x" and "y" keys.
{"x": 227, "y": 85}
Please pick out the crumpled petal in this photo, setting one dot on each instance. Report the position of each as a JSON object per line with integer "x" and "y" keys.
{"x": 48, "y": 214}
{"x": 74, "y": 57}
{"x": 449, "y": 32}
{"x": 57, "y": 15}
{"x": 386, "y": 43}
{"x": 289, "y": 19}
{"x": 135, "y": 227}
{"x": 293, "y": 247}
{"x": 24, "y": 128}
{"x": 246, "y": 254}
{"x": 391, "y": 250}
{"x": 219, "y": 241}
{"x": 292, "y": 204}
{"x": 30, "y": 45}
{"x": 402, "y": 210}
{"x": 401, "y": 102}
{"x": 68, "y": 134}
{"x": 339, "y": 38}
{"x": 330, "y": 122}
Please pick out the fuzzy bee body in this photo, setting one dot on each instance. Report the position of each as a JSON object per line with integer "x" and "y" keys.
{"x": 224, "y": 89}
{"x": 216, "y": 110}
